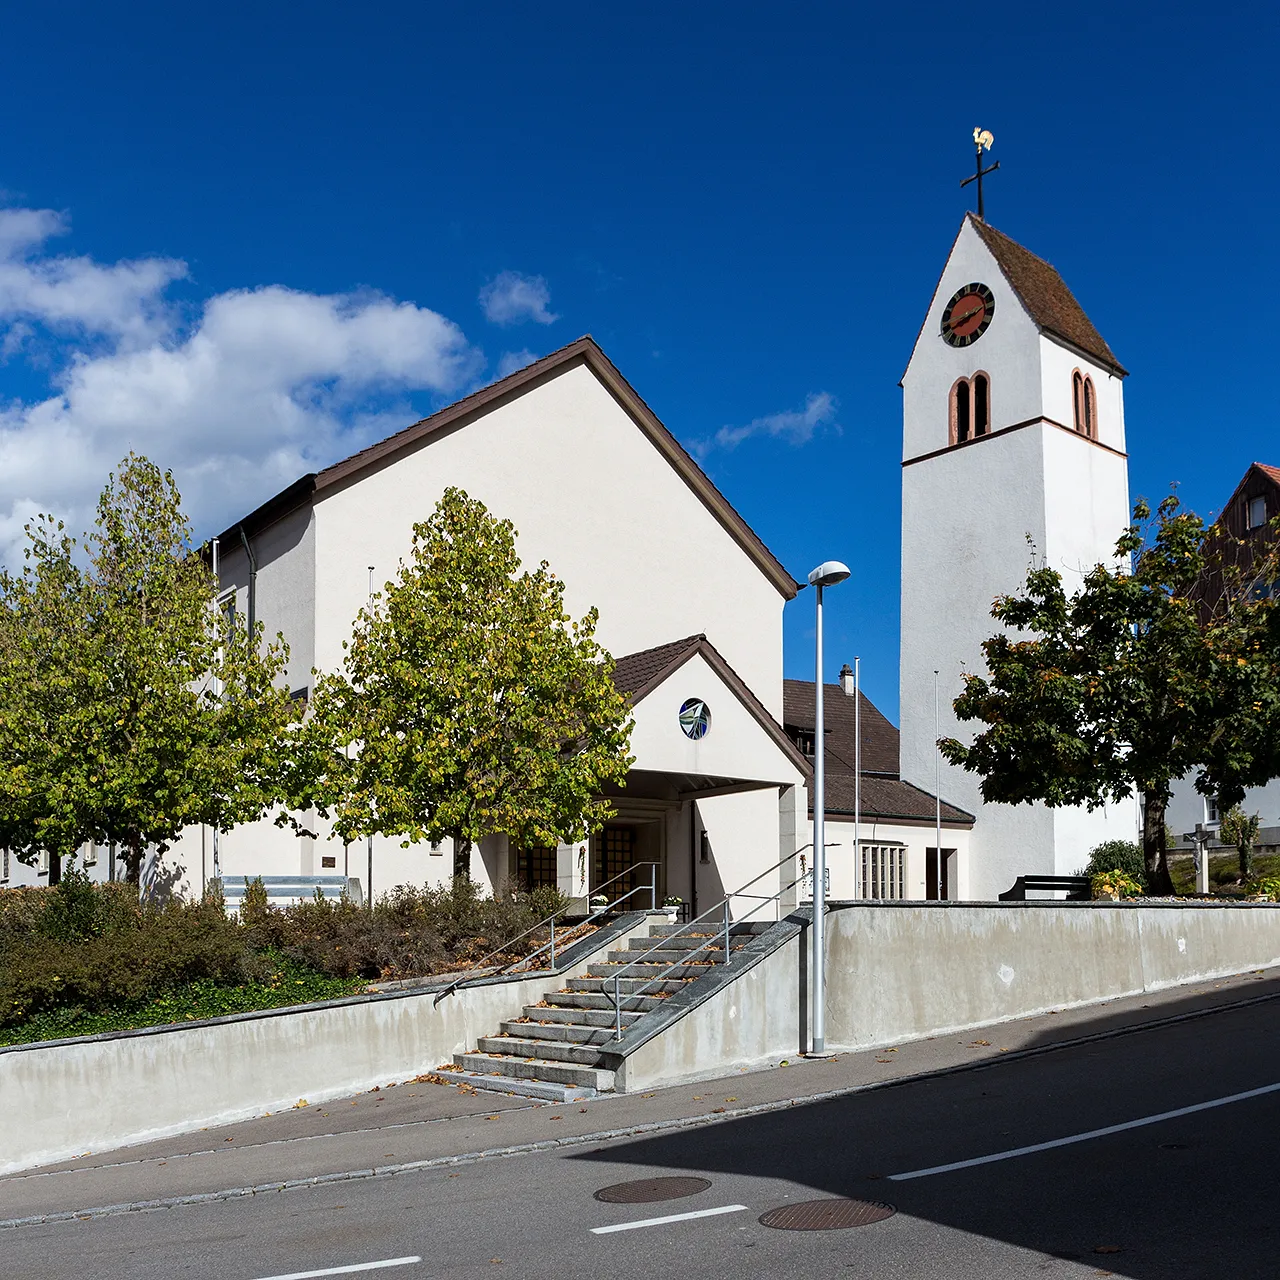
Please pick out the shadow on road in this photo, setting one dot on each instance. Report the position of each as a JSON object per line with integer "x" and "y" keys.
{"x": 1191, "y": 1196}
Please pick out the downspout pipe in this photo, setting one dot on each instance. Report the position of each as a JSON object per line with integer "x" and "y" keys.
{"x": 253, "y": 578}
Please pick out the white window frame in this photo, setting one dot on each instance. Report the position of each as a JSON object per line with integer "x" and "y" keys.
{"x": 882, "y": 866}
{"x": 91, "y": 854}
{"x": 1256, "y": 512}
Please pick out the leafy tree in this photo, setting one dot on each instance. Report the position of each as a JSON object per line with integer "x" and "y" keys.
{"x": 1117, "y": 855}
{"x": 469, "y": 704}
{"x": 1136, "y": 680}
{"x": 129, "y": 707}
{"x": 1240, "y": 829}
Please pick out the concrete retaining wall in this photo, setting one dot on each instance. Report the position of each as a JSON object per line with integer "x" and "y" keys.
{"x": 59, "y": 1100}
{"x": 901, "y": 971}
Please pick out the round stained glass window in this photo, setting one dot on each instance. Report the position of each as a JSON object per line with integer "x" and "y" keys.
{"x": 695, "y": 718}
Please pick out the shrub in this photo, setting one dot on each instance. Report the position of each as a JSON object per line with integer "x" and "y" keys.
{"x": 1114, "y": 884}
{"x": 1118, "y": 855}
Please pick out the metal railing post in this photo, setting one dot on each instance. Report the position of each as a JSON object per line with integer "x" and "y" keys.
{"x": 726, "y": 931}
{"x": 553, "y": 942}
{"x": 617, "y": 1009}
{"x": 653, "y": 886}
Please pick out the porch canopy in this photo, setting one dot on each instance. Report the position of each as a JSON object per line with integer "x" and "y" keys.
{"x": 715, "y": 795}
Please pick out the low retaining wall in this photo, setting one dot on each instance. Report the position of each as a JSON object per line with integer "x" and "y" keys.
{"x": 60, "y": 1099}
{"x": 902, "y": 971}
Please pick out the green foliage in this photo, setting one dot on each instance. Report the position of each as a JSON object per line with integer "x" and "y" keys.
{"x": 1114, "y": 884}
{"x": 129, "y": 707}
{"x": 1138, "y": 678}
{"x": 1241, "y": 829}
{"x": 83, "y": 958}
{"x": 470, "y": 702}
{"x": 1122, "y": 855}
{"x": 1267, "y": 887}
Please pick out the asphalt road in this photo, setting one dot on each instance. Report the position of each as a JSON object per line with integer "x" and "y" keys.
{"x": 1192, "y": 1195}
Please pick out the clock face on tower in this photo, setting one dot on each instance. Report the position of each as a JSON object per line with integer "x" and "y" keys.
{"x": 967, "y": 315}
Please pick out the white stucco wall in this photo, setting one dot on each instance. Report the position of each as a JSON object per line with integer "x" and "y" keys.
{"x": 843, "y": 864}
{"x": 967, "y": 515}
{"x": 588, "y": 492}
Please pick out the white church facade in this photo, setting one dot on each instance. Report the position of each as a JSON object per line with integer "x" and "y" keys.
{"x": 1013, "y": 429}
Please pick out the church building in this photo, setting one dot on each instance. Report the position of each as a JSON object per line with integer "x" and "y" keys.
{"x": 1013, "y": 451}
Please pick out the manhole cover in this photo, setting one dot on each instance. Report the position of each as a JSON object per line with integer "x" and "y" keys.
{"x": 647, "y": 1190}
{"x": 826, "y": 1215}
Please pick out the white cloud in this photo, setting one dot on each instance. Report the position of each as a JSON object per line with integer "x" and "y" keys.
{"x": 511, "y": 298}
{"x": 795, "y": 426}
{"x": 264, "y": 385}
{"x": 510, "y": 361}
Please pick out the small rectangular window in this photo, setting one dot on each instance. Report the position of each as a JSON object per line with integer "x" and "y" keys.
{"x": 42, "y": 865}
{"x": 91, "y": 854}
{"x": 1257, "y": 512}
{"x": 1211, "y": 813}
{"x": 4, "y": 864}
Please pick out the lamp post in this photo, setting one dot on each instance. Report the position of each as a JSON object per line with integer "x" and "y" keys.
{"x": 370, "y": 840}
{"x": 826, "y": 574}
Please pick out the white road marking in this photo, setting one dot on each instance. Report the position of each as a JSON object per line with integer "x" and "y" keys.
{"x": 1086, "y": 1137}
{"x": 346, "y": 1271}
{"x": 657, "y": 1222}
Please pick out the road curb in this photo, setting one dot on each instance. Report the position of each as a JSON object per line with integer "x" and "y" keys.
{"x": 720, "y": 1116}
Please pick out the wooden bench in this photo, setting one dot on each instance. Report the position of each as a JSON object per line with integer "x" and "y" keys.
{"x": 1077, "y": 887}
{"x": 284, "y": 890}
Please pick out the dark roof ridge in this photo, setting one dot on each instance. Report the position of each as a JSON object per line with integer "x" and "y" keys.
{"x": 583, "y": 350}
{"x": 1049, "y": 301}
{"x": 638, "y": 678}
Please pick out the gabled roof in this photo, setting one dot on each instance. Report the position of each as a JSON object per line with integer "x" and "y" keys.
{"x": 638, "y": 674}
{"x": 1045, "y": 295}
{"x": 1258, "y": 480}
{"x": 885, "y": 796}
{"x": 879, "y": 737}
{"x": 583, "y": 351}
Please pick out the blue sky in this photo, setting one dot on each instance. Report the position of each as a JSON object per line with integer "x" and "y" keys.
{"x": 748, "y": 208}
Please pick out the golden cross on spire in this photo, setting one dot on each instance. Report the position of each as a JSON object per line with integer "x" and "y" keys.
{"x": 981, "y": 139}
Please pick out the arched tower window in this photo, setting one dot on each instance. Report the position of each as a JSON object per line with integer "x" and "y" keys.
{"x": 1084, "y": 401}
{"x": 981, "y": 404}
{"x": 970, "y": 408}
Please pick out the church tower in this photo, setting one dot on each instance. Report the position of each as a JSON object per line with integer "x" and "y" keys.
{"x": 1013, "y": 428}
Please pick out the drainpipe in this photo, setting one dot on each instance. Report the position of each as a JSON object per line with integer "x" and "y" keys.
{"x": 253, "y": 579}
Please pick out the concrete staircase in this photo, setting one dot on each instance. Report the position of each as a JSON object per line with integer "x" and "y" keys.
{"x": 560, "y": 1048}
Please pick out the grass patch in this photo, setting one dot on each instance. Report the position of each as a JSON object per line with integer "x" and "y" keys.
{"x": 290, "y": 984}
{"x": 1224, "y": 870}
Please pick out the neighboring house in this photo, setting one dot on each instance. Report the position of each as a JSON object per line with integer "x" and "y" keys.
{"x": 690, "y": 604}
{"x": 1013, "y": 447}
{"x": 1246, "y": 519}
{"x": 881, "y": 837}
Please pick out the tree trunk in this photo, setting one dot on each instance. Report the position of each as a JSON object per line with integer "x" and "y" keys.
{"x": 1153, "y": 841}
{"x": 1246, "y": 859}
{"x": 55, "y": 868}
{"x": 461, "y": 858}
{"x": 133, "y": 858}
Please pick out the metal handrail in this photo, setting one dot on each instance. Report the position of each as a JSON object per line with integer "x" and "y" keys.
{"x": 723, "y": 905}
{"x": 652, "y": 886}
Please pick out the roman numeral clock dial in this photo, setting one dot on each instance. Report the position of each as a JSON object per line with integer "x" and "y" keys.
{"x": 968, "y": 315}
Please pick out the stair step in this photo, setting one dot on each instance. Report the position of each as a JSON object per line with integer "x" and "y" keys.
{"x": 625, "y": 985}
{"x": 547, "y": 1090}
{"x": 714, "y": 950}
{"x": 598, "y": 1000}
{"x": 575, "y": 1016}
{"x": 580, "y": 1055}
{"x": 738, "y": 929}
{"x": 647, "y": 969}
{"x": 597, "y": 1078}
{"x": 565, "y": 1032}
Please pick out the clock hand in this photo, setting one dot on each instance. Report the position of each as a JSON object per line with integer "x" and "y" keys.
{"x": 957, "y": 320}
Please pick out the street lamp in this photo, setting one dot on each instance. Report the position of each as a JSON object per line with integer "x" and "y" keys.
{"x": 826, "y": 574}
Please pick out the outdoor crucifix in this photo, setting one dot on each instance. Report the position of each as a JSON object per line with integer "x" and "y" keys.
{"x": 981, "y": 138}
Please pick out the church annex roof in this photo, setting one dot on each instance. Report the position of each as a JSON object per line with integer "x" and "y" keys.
{"x": 1045, "y": 295}
{"x": 885, "y": 795}
{"x": 582, "y": 351}
{"x": 638, "y": 674}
